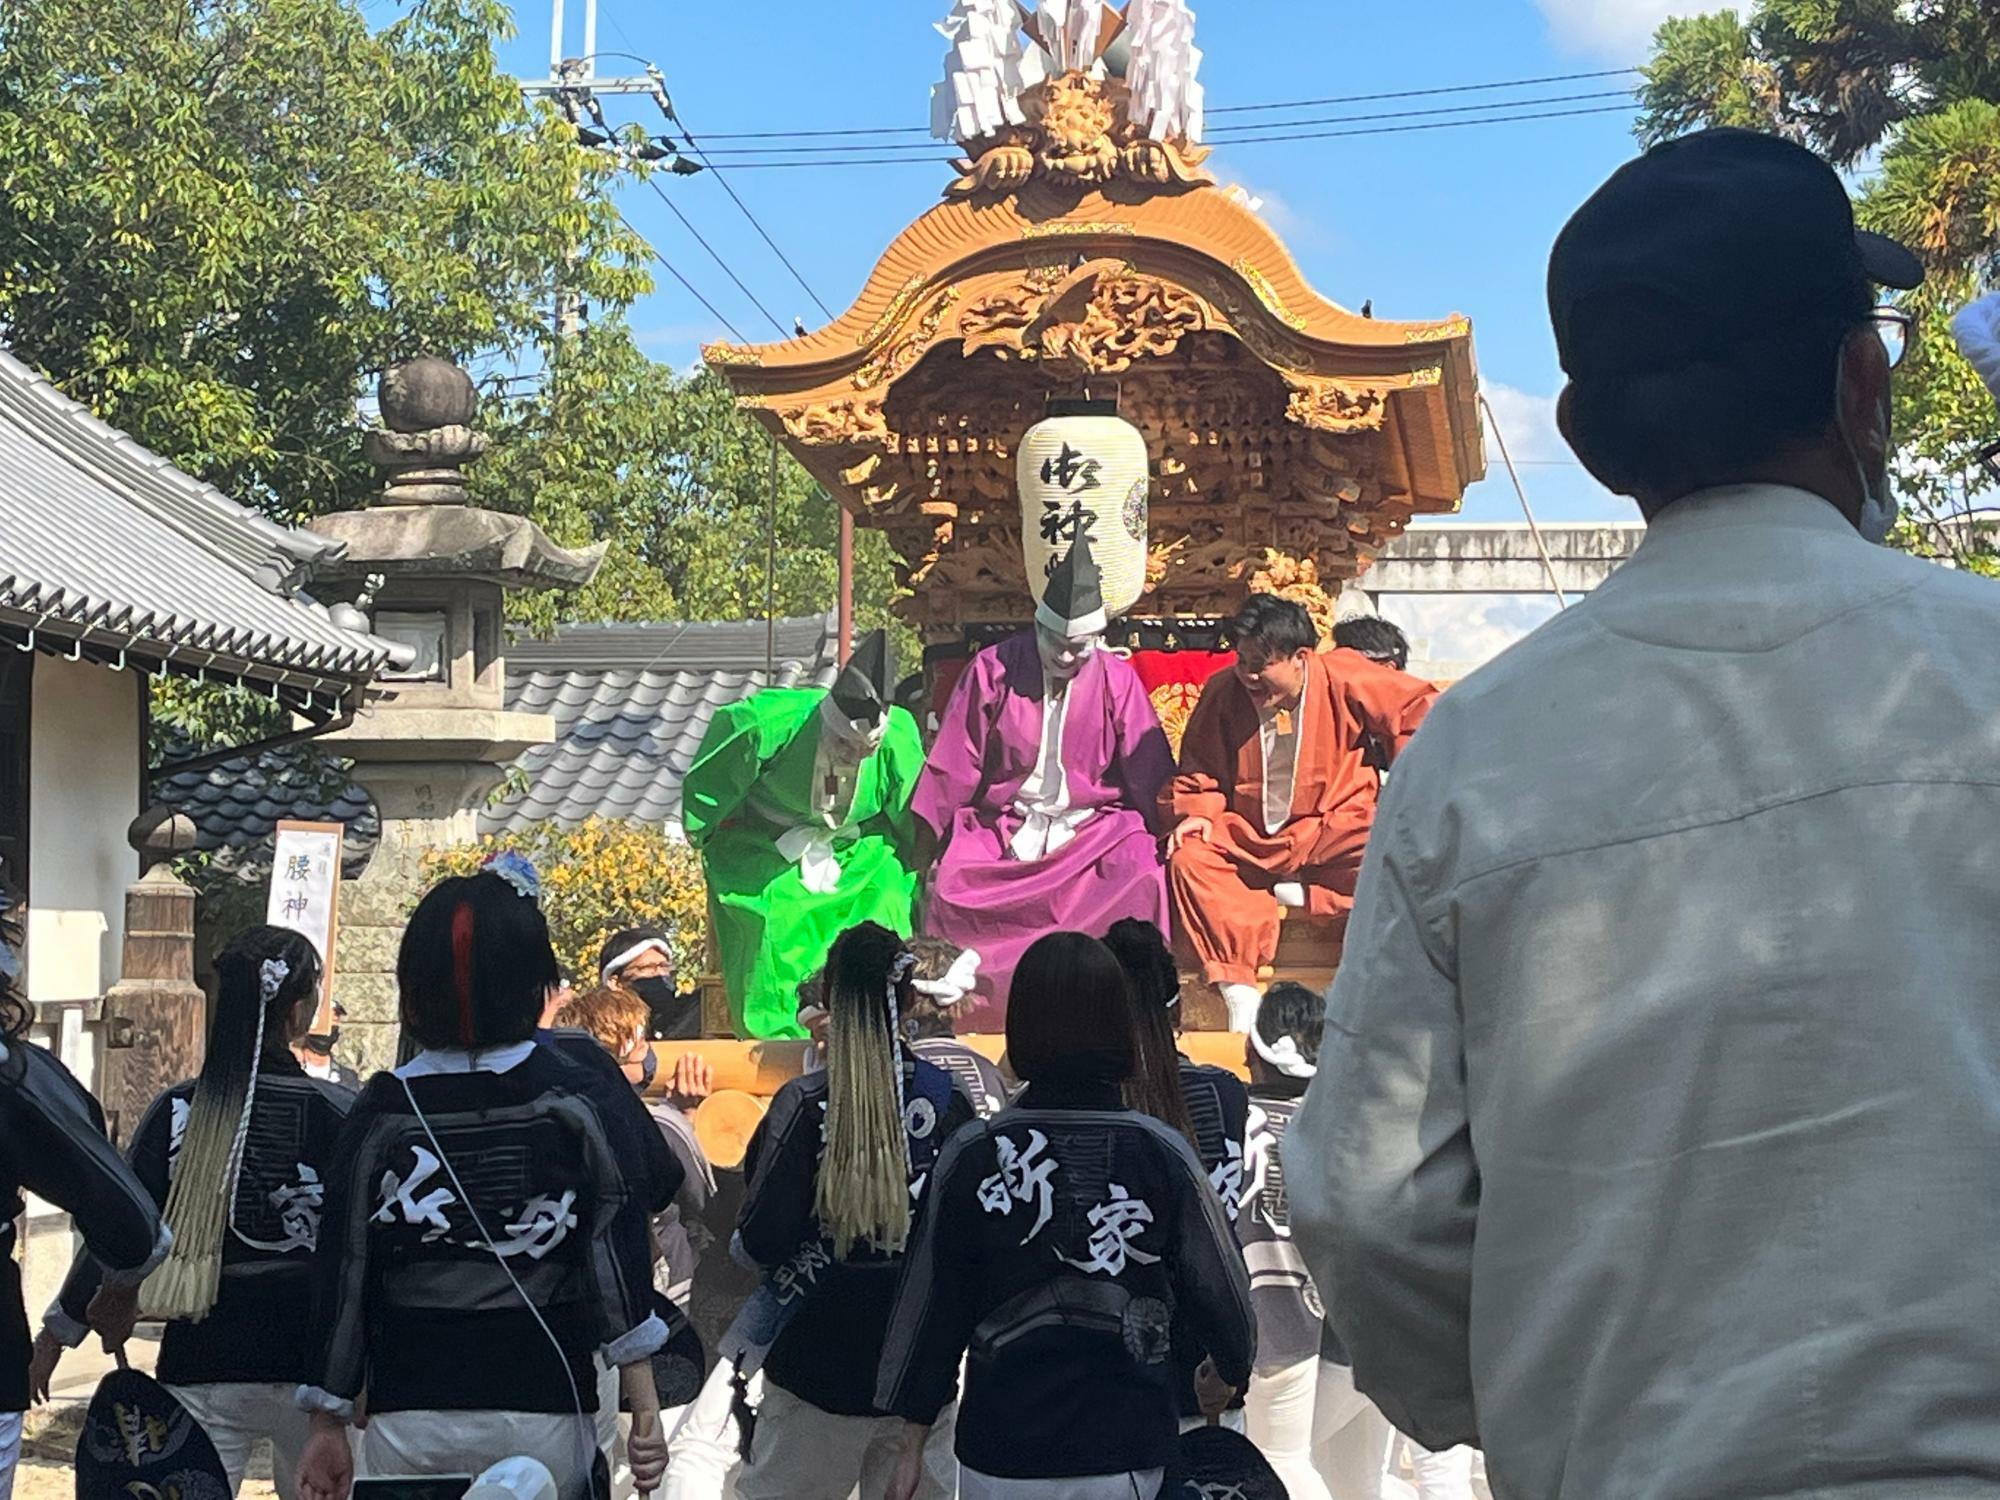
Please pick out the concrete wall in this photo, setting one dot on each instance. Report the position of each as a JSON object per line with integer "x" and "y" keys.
{"x": 83, "y": 792}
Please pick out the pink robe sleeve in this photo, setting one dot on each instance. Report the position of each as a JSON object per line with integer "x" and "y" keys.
{"x": 1145, "y": 759}
{"x": 955, "y": 769}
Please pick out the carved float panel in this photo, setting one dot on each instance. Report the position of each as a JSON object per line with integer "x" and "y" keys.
{"x": 1289, "y": 439}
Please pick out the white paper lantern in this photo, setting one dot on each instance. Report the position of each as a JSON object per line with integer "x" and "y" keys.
{"x": 1085, "y": 470}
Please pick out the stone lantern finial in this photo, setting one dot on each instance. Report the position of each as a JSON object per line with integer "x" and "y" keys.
{"x": 426, "y": 441}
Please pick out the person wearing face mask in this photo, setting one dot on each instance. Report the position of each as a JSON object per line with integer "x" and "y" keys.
{"x": 1651, "y": 1144}
{"x": 799, "y": 802}
{"x": 1041, "y": 790}
{"x": 639, "y": 961}
{"x": 1277, "y": 787}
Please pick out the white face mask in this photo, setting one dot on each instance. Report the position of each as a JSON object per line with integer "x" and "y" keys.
{"x": 1062, "y": 658}
{"x": 1879, "y": 508}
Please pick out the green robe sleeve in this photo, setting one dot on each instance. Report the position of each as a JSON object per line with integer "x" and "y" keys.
{"x": 724, "y": 770}
{"x": 900, "y": 759}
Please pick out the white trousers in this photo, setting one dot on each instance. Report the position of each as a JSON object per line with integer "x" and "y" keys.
{"x": 1326, "y": 1440}
{"x": 238, "y": 1415}
{"x": 802, "y": 1453}
{"x": 704, "y": 1448}
{"x": 1440, "y": 1476}
{"x": 470, "y": 1442}
{"x": 10, "y": 1451}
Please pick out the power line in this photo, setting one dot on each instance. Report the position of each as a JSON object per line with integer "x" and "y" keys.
{"x": 1230, "y": 109}
{"x": 733, "y": 331}
{"x": 1215, "y": 137}
{"x": 1255, "y": 140}
{"x": 764, "y": 234}
{"x": 1460, "y": 88}
{"x": 727, "y": 269}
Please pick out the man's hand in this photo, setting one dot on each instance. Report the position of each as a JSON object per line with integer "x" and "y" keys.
{"x": 113, "y": 1314}
{"x": 1190, "y": 830}
{"x": 646, "y": 1453}
{"x": 42, "y": 1365}
{"x": 326, "y": 1466}
{"x": 909, "y": 1464}
{"x": 1211, "y": 1392}
{"x": 693, "y": 1080}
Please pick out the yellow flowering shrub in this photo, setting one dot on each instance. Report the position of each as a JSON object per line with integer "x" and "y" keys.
{"x": 600, "y": 877}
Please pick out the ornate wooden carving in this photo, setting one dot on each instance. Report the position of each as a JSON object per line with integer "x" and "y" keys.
{"x": 1079, "y": 135}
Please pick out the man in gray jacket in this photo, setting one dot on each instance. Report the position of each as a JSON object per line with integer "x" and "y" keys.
{"x": 1656, "y": 1138}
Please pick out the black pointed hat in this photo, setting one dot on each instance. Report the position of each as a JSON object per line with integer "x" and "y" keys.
{"x": 866, "y": 686}
{"x": 1073, "y": 603}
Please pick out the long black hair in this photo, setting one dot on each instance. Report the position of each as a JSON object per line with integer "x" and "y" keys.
{"x": 261, "y": 979}
{"x": 1155, "y": 1085}
{"x": 475, "y": 967}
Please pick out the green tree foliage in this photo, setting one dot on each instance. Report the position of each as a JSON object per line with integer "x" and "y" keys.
{"x": 1905, "y": 93}
{"x": 614, "y": 444}
{"x": 221, "y": 219}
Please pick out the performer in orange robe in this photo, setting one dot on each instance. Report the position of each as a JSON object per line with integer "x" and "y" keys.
{"x": 1275, "y": 795}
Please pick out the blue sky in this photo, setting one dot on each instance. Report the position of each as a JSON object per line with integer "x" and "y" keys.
{"x": 1424, "y": 223}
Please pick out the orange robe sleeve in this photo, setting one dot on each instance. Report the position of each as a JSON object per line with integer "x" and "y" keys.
{"x": 1389, "y": 704}
{"x": 1200, "y": 787}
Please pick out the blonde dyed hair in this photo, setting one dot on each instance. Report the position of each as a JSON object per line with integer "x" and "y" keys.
{"x": 260, "y": 979}
{"x": 862, "y": 1194}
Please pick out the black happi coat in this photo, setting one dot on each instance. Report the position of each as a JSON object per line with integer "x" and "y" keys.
{"x": 828, "y": 1352}
{"x": 52, "y": 1144}
{"x": 412, "y": 1302}
{"x": 255, "y": 1331}
{"x": 977, "y": 1078}
{"x": 1218, "y": 1107}
{"x": 1291, "y": 1323}
{"x": 1065, "y": 1243}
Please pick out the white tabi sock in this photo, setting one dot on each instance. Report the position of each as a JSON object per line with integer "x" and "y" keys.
{"x": 1290, "y": 893}
{"x": 1242, "y": 1000}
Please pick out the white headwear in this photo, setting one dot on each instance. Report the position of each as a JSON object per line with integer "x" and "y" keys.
{"x": 1283, "y": 1054}
{"x": 1977, "y": 330}
{"x": 955, "y": 983}
{"x": 514, "y": 1479}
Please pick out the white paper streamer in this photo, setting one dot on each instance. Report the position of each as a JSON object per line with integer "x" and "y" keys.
{"x": 990, "y": 63}
{"x": 1167, "y": 100}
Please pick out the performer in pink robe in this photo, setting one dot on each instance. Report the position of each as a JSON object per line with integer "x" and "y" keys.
{"x": 1041, "y": 790}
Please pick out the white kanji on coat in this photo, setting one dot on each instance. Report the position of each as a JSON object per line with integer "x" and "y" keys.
{"x": 1227, "y": 1179}
{"x": 1120, "y": 1219}
{"x": 543, "y": 1224}
{"x": 398, "y": 1196}
{"x": 1023, "y": 1175}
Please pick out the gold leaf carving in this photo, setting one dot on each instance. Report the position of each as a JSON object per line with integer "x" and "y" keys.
{"x": 730, "y": 354}
{"x": 1427, "y": 333}
{"x": 1072, "y": 228}
{"x": 1268, "y": 294}
{"x": 1329, "y": 406}
{"x": 901, "y": 355}
{"x": 893, "y": 313}
{"x": 855, "y": 422}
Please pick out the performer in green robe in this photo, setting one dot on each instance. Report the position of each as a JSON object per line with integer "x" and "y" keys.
{"x": 799, "y": 802}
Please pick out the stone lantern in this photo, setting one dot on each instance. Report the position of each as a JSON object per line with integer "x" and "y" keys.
{"x": 431, "y": 572}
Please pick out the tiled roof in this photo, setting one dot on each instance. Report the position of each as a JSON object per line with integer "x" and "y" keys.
{"x": 631, "y": 704}
{"x": 103, "y": 542}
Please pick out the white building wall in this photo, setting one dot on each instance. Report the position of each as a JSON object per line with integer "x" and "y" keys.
{"x": 83, "y": 792}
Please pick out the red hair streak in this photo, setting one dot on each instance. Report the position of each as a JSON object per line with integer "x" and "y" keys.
{"x": 461, "y": 968}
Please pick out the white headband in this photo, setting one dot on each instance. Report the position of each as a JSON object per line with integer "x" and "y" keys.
{"x": 956, "y": 982}
{"x": 1283, "y": 1054}
{"x": 1977, "y": 331}
{"x": 618, "y": 963}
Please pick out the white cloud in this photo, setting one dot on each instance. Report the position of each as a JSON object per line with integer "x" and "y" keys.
{"x": 1618, "y": 31}
{"x": 1527, "y": 422}
{"x": 1451, "y": 634}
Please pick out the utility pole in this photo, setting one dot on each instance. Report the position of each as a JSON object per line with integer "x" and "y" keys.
{"x": 574, "y": 80}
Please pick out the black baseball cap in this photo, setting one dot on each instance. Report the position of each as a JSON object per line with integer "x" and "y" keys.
{"x": 1706, "y": 243}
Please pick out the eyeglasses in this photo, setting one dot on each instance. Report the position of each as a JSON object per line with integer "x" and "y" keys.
{"x": 1894, "y": 326}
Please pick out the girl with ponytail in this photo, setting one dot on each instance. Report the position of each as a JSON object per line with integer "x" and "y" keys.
{"x": 488, "y": 1244}
{"x": 835, "y": 1173}
{"x": 237, "y": 1157}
